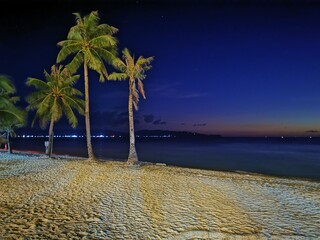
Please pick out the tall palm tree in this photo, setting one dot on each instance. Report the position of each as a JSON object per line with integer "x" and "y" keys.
{"x": 54, "y": 98}
{"x": 7, "y": 101}
{"x": 134, "y": 71}
{"x": 91, "y": 44}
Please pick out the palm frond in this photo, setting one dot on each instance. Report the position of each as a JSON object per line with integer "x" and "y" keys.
{"x": 70, "y": 91}
{"x": 117, "y": 76}
{"x": 14, "y": 99}
{"x": 9, "y": 122}
{"x": 70, "y": 81}
{"x": 76, "y": 62}
{"x": 34, "y": 99}
{"x": 5, "y": 102}
{"x": 108, "y": 56}
{"x": 6, "y": 85}
{"x": 105, "y": 29}
{"x": 75, "y": 103}
{"x": 104, "y": 41}
{"x": 95, "y": 62}
{"x": 128, "y": 58}
{"x": 144, "y": 62}
{"x": 36, "y": 83}
{"x": 44, "y": 105}
{"x": 79, "y": 19}
{"x": 68, "y": 50}
{"x": 91, "y": 20}
{"x": 47, "y": 76}
{"x": 43, "y": 121}
{"x": 55, "y": 110}
{"x": 76, "y": 33}
{"x": 14, "y": 112}
{"x": 129, "y": 61}
{"x": 72, "y": 119}
{"x": 9, "y": 110}
{"x": 126, "y": 53}
{"x": 67, "y": 42}
{"x": 141, "y": 89}
{"x": 118, "y": 64}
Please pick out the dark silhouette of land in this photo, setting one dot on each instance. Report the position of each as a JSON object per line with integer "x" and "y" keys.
{"x": 176, "y": 134}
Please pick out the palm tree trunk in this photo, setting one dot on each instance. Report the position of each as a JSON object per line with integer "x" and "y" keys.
{"x": 87, "y": 116}
{"x": 50, "y": 147}
{"x": 132, "y": 158}
{"x": 8, "y": 143}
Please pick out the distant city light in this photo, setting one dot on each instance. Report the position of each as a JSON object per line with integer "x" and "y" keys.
{"x": 95, "y": 136}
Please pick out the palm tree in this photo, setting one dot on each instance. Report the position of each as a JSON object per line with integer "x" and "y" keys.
{"x": 7, "y": 101}
{"x": 8, "y": 124}
{"x": 91, "y": 44}
{"x": 11, "y": 117}
{"x": 134, "y": 72}
{"x": 54, "y": 98}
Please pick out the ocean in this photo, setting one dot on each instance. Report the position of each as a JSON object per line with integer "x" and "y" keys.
{"x": 287, "y": 157}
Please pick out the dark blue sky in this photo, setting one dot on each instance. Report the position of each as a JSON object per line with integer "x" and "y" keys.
{"x": 236, "y": 68}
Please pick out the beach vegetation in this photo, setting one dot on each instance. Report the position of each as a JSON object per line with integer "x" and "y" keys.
{"x": 8, "y": 100}
{"x": 91, "y": 44}
{"x": 8, "y": 125}
{"x": 11, "y": 116}
{"x": 134, "y": 72}
{"x": 55, "y": 97}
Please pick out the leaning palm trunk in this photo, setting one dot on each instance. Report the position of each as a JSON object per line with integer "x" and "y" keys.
{"x": 50, "y": 147}
{"x": 8, "y": 143}
{"x": 132, "y": 158}
{"x": 87, "y": 116}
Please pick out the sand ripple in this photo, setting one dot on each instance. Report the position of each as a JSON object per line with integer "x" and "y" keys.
{"x": 73, "y": 199}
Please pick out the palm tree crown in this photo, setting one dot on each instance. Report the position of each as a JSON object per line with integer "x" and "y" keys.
{"x": 89, "y": 42}
{"x": 55, "y": 97}
{"x": 8, "y": 124}
{"x": 134, "y": 71}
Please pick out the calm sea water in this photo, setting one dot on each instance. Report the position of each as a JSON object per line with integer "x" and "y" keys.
{"x": 291, "y": 157}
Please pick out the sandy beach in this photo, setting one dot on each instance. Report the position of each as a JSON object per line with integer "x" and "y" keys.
{"x": 69, "y": 198}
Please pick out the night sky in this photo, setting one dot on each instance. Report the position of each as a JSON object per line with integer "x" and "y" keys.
{"x": 235, "y": 68}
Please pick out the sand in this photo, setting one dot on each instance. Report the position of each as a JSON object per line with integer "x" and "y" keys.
{"x": 69, "y": 198}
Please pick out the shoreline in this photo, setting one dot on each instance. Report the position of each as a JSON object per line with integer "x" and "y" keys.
{"x": 297, "y": 160}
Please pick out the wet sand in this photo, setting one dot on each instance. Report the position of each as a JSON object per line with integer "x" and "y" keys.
{"x": 69, "y": 198}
